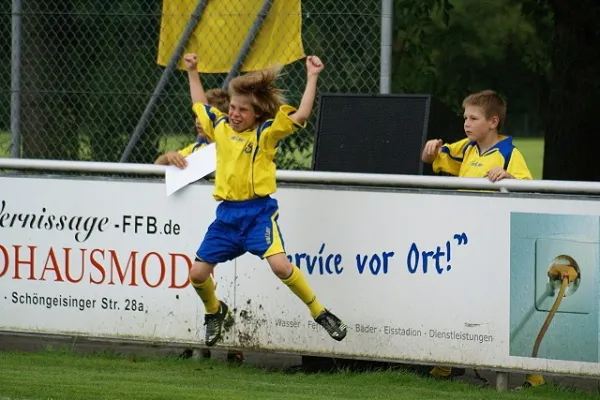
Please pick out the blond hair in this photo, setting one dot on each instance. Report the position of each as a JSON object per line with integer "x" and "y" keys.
{"x": 491, "y": 104}
{"x": 259, "y": 88}
{"x": 218, "y": 99}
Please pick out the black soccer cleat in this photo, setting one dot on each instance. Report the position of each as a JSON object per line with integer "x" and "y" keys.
{"x": 332, "y": 324}
{"x": 214, "y": 324}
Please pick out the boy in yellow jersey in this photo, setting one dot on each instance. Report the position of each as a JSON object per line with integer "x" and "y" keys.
{"x": 484, "y": 153}
{"x": 216, "y": 98}
{"x": 246, "y": 218}
{"x": 220, "y": 100}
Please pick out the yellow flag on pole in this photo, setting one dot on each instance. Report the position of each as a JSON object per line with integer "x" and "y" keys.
{"x": 222, "y": 31}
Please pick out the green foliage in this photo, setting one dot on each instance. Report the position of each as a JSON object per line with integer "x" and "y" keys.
{"x": 453, "y": 48}
{"x": 48, "y": 105}
{"x": 118, "y": 72}
{"x": 99, "y": 67}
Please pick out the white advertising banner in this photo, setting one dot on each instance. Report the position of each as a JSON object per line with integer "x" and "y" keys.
{"x": 102, "y": 258}
{"x": 443, "y": 278}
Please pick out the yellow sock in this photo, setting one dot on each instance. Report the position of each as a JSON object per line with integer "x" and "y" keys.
{"x": 299, "y": 286}
{"x": 440, "y": 371}
{"x": 535, "y": 380}
{"x": 206, "y": 291}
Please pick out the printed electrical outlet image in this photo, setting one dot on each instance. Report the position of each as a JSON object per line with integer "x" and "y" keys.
{"x": 579, "y": 296}
{"x": 554, "y": 288}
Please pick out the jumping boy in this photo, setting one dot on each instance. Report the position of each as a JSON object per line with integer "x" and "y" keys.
{"x": 246, "y": 218}
{"x": 220, "y": 100}
{"x": 484, "y": 153}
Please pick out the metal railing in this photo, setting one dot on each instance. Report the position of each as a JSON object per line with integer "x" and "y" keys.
{"x": 320, "y": 177}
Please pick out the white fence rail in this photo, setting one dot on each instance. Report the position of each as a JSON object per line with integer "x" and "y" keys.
{"x": 319, "y": 177}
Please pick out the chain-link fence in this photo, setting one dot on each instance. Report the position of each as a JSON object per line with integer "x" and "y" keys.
{"x": 89, "y": 68}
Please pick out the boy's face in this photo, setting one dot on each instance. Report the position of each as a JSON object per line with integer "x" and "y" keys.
{"x": 476, "y": 125}
{"x": 241, "y": 113}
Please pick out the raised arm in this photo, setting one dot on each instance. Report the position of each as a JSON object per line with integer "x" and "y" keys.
{"x": 431, "y": 150}
{"x": 196, "y": 89}
{"x": 314, "y": 66}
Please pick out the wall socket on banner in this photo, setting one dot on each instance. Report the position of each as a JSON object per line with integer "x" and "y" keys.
{"x": 579, "y": 296}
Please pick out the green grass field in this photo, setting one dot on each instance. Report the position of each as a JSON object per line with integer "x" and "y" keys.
{"x": 64, "y": 375}
{"x": 4, "y": 144}
{"x": 532, "y": 149}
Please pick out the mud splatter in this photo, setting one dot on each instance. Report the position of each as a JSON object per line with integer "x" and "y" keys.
{"x": 245, "y": 315}
{"x": 247, "y": 330}
{"x": 245, "y": 339}
{"x": 229, "y": 321}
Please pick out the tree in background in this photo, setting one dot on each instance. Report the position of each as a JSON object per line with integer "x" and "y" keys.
{"x": 543, "y": 55}
{"x": 48, "y": 126}
{"x": 572, "y": 136}
{"x": 453, "y": 48}
{"x": 117, "y": 75}
{"x": 87, "y": 75}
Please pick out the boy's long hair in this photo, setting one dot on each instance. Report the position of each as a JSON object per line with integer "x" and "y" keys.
{"x": 490, "y": 102}
{"x": 259, "y": 88}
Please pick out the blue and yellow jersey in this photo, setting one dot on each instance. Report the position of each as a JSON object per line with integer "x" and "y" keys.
{"x": 245, "y": 167}
{"x": 198, "y": 144}
{"x": 462, "y": 159}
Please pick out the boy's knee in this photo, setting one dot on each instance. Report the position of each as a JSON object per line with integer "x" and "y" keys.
{"x": 280, "y": 265}
{"x": 200, "y": 271}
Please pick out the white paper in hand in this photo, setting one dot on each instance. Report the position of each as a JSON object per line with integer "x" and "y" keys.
{"x": 202, "y": 162}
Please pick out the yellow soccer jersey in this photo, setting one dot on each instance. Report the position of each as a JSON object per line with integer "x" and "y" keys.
{"x": 245, "y": 167}
{"x": 198, "y": 144}
{"x": 462, "y": 159}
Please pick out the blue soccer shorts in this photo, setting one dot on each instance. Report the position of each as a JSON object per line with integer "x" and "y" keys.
{"x": 240, "y": 227}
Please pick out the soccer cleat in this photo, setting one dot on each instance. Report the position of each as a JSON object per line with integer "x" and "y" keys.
{"x": 214, "y": 324}
{"x": 332, "y": 324}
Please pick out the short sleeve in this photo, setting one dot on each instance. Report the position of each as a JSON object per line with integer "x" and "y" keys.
{"x": 208, "y": 117}
{"x": 273, "y": 130}
{"x": 450, "y": 157}
{"x": 517, "y": 166}
{"x": 186, "y": 151}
